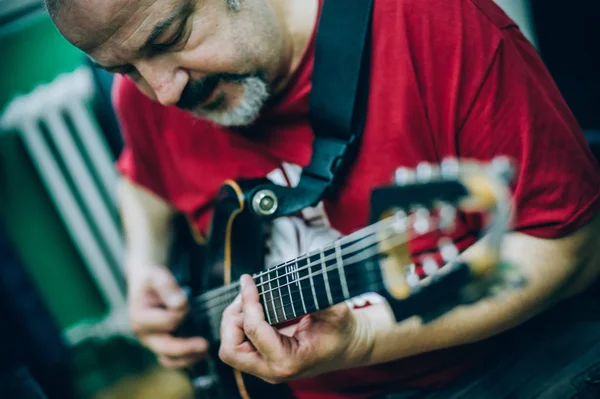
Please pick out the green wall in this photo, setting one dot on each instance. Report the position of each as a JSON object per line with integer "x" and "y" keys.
{"x": 33, "y": 52}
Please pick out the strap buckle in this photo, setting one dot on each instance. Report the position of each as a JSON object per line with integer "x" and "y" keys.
{"x": 328, "y": 154}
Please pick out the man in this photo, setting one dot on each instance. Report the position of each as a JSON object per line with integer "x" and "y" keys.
{"x": 218, "y": 89}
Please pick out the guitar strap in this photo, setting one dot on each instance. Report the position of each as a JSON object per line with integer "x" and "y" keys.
{"x": 337, "y": 112}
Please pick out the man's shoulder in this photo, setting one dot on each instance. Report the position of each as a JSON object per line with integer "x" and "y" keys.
{"x": 434, "y": 11}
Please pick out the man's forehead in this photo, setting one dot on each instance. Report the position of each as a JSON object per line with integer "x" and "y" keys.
{"x": 89, "y": 24}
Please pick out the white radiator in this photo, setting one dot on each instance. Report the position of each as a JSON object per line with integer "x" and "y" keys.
{"x": 72, "y": 158}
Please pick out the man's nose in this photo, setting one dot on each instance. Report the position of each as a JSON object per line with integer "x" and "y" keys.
{"x": 167, "y": 82}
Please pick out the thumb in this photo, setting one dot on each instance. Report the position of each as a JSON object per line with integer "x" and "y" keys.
{"x": 168, "y": 290}
{"x": 336, "y": 315}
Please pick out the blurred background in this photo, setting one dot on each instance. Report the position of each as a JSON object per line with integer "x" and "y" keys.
{"x": 62, "y": 290}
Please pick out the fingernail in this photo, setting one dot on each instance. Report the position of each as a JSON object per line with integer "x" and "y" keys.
{"x": 243, "y": 282}
{"x": 176, "y": 299}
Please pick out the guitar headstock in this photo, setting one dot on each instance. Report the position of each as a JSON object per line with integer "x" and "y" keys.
{"x": 432, "y": 200}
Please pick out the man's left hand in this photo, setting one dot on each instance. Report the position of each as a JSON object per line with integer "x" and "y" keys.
{"x": 325, "y": 341}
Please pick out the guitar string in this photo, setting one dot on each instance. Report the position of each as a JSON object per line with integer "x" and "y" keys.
{"x": 335, "y": 278}
{"x": 368, "y": 242}
{"x": 356, "y": 246}
{"x": 334, "y": 289}
{"x": 400, "y": 240}
{"x": 359, "y": 235}
{"x": 216, "y": 316}
{"x": 216, "y": 301}
{"x": 273, "y": 309}
{"x": 355, "y": 261}
{"x": 234, "y": 288}
{"x": 215, "y": 312}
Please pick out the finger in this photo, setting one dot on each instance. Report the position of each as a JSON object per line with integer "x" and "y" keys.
{"x": 231, "y": 328}
{"x": 166, "y": 287}
{"x": 234, "y": 308}
{"x": 265, "y": 338}
{"x": 178, "y": 362}
{"x": 250, "y": 363}
{"x": 336, "y": 313}
{"x": 237, "y": 352}
{"x": 167, "y": 345}
{"x": 152, "y": 320}
{"x": 232, "y": 333}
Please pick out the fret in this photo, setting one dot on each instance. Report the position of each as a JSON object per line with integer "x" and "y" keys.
{"x": 296, "y": 277}
{"x": 312, "y": 283}
{"x": 340, "y": 267}
{"x": 272, "y": 297}
{"x": 325, "y": 277}
{"x": 284, "y": 318}
{"x": 288, "y": 271}
{"x": 264, "y": 295}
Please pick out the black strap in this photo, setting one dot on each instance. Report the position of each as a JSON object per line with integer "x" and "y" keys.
{"x": 338, "y": 102}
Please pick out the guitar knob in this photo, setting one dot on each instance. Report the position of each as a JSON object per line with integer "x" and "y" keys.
{"x": 430, "y": 266}
{"x": 450, "y": 168}
{"x": 421, "y": 223}
{"x": 400, "y": 224}
{"x": 412, "y": 278}
{"x": 404, "y": 176}
{"x": 503, "y": 168}
{"x": 426, "y": 172}
{"x": 447, "y": 217}
{"x": 265, "y": 202}
{"x": 448, "y": 250}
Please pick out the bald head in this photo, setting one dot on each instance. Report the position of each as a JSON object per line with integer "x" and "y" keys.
{"x": 218, "y": 59}
{"x": 90, "y": 23}
{"x": 53, "y": 6}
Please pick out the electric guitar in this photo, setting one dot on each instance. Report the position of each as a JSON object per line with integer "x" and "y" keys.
{"x": 373, "y": 259}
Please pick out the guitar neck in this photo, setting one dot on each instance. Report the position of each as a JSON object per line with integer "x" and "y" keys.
{"x": 315, "y": 281}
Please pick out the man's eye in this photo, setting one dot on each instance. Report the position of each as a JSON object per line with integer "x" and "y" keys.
{"x": 174, "y": 40}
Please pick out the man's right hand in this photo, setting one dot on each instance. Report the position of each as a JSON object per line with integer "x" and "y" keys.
{"x": 157, "y": 305}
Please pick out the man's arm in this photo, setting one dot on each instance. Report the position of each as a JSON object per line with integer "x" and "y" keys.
{"x": 157, "y": 304}
{"x": 339, "y": 338}
{"x": 555, "y": 269}
{"x": 146, "y": 222}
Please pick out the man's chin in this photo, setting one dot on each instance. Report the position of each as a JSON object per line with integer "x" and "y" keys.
{"x": 227, "y": 118}
{"x": 241, "y": 109}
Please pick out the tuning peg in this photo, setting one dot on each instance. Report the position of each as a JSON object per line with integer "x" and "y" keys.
{"x": 430, "y": 266}
{"x": 447, "y": 216}
{"x": 422, "y": 219}
{"x": 400, "y": 224}
{"x": 426, "y": 172}
{"x": 404, "y": 176}
{"x": 449, "y": 168}
{"x": 448, "y": 250}
{"x": 412, "y": 278}
{"x": 504, "y": 168}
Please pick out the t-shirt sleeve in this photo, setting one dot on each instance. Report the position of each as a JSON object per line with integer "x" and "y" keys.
{"x": 139, "y": 161}
{"x": 519, "y": 112}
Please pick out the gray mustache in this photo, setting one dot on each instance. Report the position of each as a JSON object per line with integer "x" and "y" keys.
{"x": 197, "y": 91}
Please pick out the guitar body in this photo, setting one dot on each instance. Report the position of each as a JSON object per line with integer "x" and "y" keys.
{"x": 236, "y": 246}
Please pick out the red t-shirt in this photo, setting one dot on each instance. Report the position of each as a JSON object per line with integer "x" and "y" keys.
{"x": 453, "y": 78}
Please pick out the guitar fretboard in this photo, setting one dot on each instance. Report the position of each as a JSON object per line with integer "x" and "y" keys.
{"x": 316, "y": 281}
